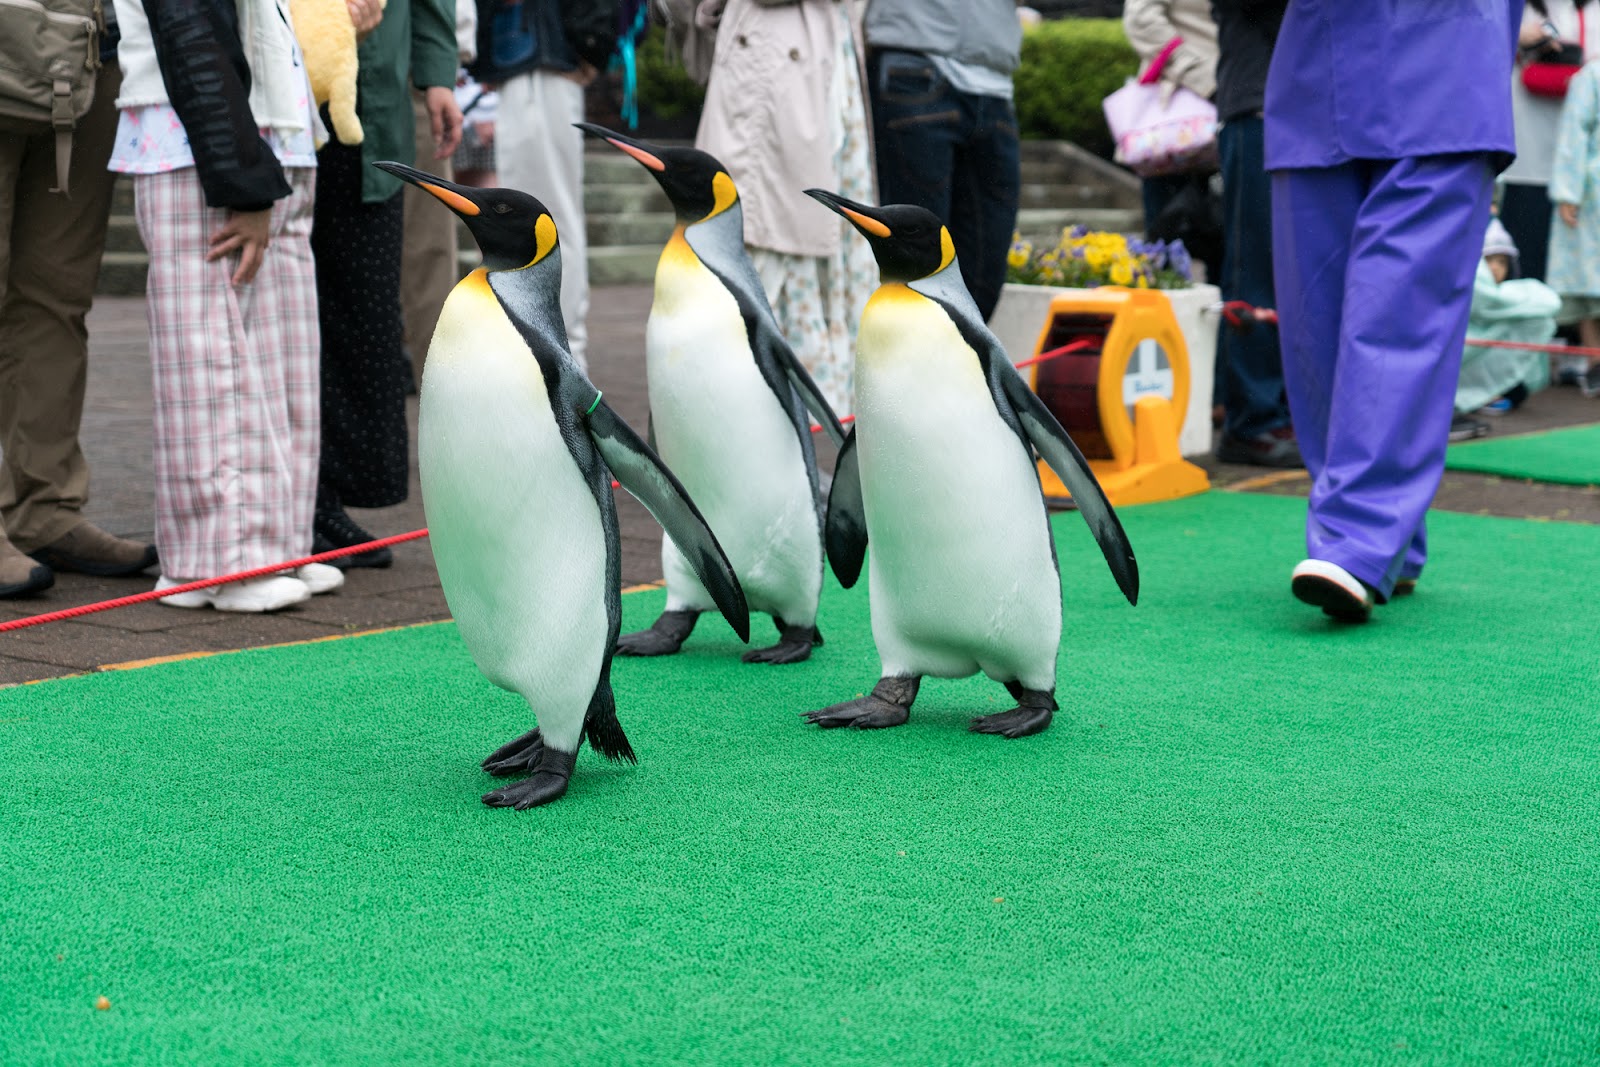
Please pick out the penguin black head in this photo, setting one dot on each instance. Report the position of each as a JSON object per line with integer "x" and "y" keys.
{"x": 512, "y": 229}
{"x": 698, "y": 186}
{"x": 909, "y": 242}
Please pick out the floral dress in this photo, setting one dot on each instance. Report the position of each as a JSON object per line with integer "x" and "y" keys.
{"x": 818, "y": 299}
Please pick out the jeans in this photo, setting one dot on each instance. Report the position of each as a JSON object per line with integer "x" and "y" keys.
{"x": 955, "y": 154}
{"x": 1525, "y": 213}
{"x": 1156, "y": 193}
{"x": 1250, "y": 363}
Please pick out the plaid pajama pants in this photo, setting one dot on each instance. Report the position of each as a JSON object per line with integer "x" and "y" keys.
{"x": 237, "y": 430}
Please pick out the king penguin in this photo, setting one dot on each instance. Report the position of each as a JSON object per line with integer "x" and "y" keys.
{"x": 728, "y": 403}
{"x": 938, "y": 473}
{"x": 513, "y": 444}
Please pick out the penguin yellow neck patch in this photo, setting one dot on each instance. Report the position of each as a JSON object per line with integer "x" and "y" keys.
{"x": 454, "y": 201}
{"x": 724, "y": 194}
{"x": 947, "y": 249}
{"x": 544, "y": 234}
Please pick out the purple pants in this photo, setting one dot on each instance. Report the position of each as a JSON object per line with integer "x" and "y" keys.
{"x": 1374, "y": 262}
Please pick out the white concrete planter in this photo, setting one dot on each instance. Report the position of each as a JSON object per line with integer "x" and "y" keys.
{"x": 1020, "y": 316}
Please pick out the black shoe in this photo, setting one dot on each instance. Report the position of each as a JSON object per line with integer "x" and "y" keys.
{"x": 334, "y": 528}
{"x": 1275, "y": 448}
{"x": 1466, "y": 428}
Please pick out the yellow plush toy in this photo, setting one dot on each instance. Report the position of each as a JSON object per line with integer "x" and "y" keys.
{"x": 328, "y": 41}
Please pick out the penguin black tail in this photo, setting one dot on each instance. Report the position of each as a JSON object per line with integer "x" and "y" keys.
{"x": 602, "y": 728}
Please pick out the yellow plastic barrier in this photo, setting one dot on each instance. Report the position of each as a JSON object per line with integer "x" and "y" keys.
{"x": 1122, "y": 395}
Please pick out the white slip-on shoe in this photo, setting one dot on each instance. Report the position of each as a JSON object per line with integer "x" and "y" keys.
{"x": 1330, "y": 587}
{"x": 253, "y": 597}
{"x": 260, "y": 594}
{"x": 198, "y": 598}
{"x": 320, "y": 577}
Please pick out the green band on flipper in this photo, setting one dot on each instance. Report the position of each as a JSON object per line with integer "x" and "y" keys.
{"x": 596, "y": 403}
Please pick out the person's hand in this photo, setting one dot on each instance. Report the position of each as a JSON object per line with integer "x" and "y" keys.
{"x": 485, "y": 133}
{"x": 444, "y": 115}
{"x": 1569, "y": 214}
{"x": 1531, "y": 35}
{"x": 583, "y": 75}
{"x": 364, "y": 16}
{"x": 245, "y": 232}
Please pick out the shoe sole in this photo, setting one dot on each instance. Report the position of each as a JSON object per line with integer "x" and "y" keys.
{"x": 1334, "y": 599}
{"x": 57, "y": 561}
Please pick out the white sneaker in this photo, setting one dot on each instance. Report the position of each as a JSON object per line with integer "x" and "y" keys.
{"x": 198, "y": 598}
{"x": 320, "y": 577}
{"x": 253, "y": 597}
{"x": 1330, "y": 587}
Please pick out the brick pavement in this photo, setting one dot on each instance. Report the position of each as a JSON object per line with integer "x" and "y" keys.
{"x": 116, "y": 435}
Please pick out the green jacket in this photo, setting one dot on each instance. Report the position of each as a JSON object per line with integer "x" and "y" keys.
{"x": 415, "y": 44}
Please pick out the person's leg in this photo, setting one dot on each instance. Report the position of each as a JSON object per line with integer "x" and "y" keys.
{"x": 203, "y": 522}
{"x": 281, "y": 329}
{"x": 1251, "y": 363}
{"x": 1313, "y": 214}
{"x": 1408, "y": 290}
{"x": 55, "y": 245}
{"x": 429, "y": 268}
{"x": 1156, "y": 193}
{"x": 541, "y": 151}
{"x": 1525, "y": 213}
{"x": 357, "y": 246}
{"x": 985, "y": 189}
{"x": 915, "y": 124}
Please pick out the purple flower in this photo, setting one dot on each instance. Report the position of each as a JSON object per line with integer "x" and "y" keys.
{"x": 1178, "y": 259}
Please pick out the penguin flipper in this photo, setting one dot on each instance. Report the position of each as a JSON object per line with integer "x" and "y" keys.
{"x": 1057, "y": 449}
{"x": 803, "y": 384}
{"x": 643, "y": 474}
{"x": 846, "y": 530}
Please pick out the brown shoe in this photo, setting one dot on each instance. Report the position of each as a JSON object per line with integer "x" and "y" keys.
{"x": 88, "y": 549}
{"x": 20, "y": 575}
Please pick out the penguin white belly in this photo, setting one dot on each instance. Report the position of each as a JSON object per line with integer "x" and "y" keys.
{"x": 516, "y": 533}
{"x": 961, "y": 573}
{"x": 721, "y": 430}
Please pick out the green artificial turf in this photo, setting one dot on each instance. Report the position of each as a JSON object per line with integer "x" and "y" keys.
{"x": 1251, "y": 836}
{"x": 1569, "y": 456}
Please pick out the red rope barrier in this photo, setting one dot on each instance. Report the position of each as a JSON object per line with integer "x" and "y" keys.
{"x": 322, "y": 557}
{"x": 187, "y": 587}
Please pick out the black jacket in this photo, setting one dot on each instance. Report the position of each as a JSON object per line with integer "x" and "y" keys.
{"x": 208, "y": 84}
{"x": 1246, "y": 32}
{"x": 516, "y": 36}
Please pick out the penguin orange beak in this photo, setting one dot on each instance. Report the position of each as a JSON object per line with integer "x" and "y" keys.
{"x": 645, "y": 153}
{"x": 458, "y": 198}
{"x": 862, "y": 216}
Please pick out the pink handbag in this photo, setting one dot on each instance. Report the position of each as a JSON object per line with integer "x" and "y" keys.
{"x": 1155, "y": 136}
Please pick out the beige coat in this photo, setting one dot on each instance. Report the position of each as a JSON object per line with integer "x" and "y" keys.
{"x": 767, "y": 117}
{"x": 1150, "y": 24}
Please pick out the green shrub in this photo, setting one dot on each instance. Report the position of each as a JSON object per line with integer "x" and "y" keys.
{"x": 665, "y": 88}
{"x": 1068, "y": 67}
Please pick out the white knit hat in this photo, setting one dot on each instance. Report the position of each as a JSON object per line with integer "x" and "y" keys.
{"x": 1497, "y": 242}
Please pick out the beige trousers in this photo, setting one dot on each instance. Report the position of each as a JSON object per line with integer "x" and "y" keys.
{"x": 50, "y": 250}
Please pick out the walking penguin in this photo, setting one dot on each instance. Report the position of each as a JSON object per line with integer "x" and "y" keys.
{"x": 938, "y": 471}
{"x": 514, "y": 443}
{"x": 728, "y": 403}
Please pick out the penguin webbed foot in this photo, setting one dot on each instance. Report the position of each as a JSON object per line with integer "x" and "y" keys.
{"x": 1035, "y": 708}
{"x": 664, "y": 637}
{"x": 889, "y": 704}
{"x": 519, "y": 755}
{"x": 550, "y": 777}
{"x": 794, "y": 645}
